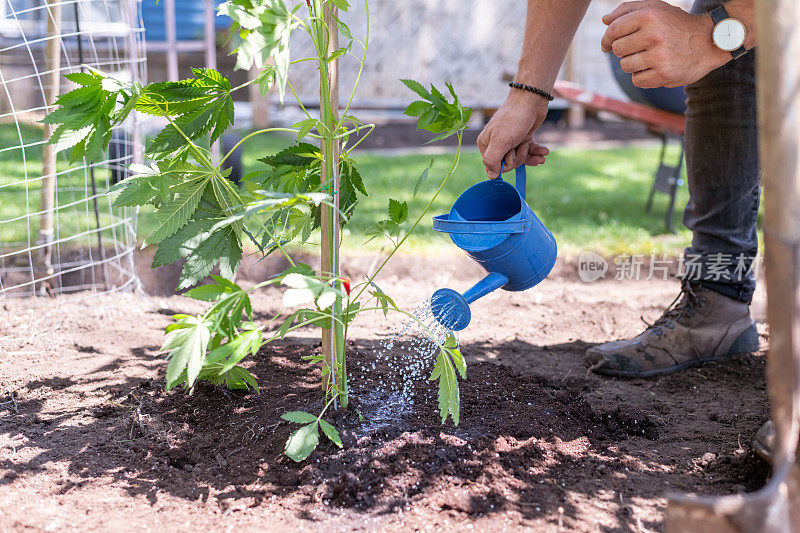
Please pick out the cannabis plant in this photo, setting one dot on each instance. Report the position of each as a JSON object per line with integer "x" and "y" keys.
{"x": 208, "y": 221}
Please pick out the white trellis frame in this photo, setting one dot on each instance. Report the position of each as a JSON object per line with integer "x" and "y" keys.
{"x": 59, "y": 230}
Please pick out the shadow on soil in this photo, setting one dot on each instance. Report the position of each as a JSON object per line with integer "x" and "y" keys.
{"x": 537, "y": 446}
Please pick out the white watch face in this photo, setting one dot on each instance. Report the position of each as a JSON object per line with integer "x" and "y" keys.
{"x": 729, "y": 34}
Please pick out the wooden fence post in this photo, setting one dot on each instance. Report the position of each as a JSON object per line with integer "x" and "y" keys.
{"x": 776, "y": 507}
{"x": 48, "y": 198}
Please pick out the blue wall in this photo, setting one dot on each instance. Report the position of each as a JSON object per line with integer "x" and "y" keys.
{"x": 189, "y": 20}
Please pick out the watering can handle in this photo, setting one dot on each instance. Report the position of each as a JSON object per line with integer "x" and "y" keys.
{"x": 522, "y": 178}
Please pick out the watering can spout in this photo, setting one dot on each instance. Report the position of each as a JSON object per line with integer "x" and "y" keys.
{"x": 451, "y": 309}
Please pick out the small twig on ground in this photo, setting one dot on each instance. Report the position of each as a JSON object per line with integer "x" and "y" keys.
{"x": 13, "y": 402}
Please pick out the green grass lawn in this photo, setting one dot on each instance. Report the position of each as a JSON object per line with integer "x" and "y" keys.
{"x": 590, "y": 199}
{"x": 20, "y": 194}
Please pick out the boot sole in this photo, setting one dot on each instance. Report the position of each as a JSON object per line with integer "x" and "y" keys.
{"x": 762, "y": 451}
{"x": 745, "y": 343}
{"x": 667, "y": 370}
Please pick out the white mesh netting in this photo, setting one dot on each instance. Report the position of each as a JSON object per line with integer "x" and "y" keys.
{"x": 59, "y": 231}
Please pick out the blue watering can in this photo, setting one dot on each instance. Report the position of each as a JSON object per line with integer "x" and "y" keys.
{"x": 492, "y": 222}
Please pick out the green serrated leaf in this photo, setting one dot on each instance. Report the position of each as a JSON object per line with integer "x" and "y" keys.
{"x": 417, "y": 108}
{"x": 458, "y": 362}
{"x": 176, "y": 213}
{"x": 247, "y": 342}
{"x": 305, "y": 127}
{"x": 302, "y": 442}
{"x": 183, "y": 242}
{"x": 344, "y": 29}
{"x": 421, "y": 179}
{"x": 270, "y": 25}
{"x": 187, "y": 349}
{"x": 449, "y": 394}
{"x": 398, "y": 211}
{"x": 336, "y": 54}
{"x": 437, "y": 114}
{"x": 221, "y": 246}
{"x": 299, "y": 417}
{"x": 240, "y": 378}
{"x": 417, "y": 88}
{"x": 208, "y": 293}
{"x": 266, "y": 79}
{"x": 331, "y": 433}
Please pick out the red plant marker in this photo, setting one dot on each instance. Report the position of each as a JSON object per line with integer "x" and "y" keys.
{"x": 346, "y": 285}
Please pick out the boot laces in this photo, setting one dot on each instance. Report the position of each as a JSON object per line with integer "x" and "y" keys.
{"x": 682, "y": 307}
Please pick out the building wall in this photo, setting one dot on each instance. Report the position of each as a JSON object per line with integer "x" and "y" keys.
{"x": 471, "y": 43}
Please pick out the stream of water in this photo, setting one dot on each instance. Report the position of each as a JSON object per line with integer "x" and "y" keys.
{"x": 409, "y": 353}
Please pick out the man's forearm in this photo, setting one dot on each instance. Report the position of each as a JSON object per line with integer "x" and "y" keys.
{"x": 549, "y": 29}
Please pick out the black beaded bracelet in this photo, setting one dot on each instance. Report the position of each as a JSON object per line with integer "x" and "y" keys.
{"x": 544, "y": 94}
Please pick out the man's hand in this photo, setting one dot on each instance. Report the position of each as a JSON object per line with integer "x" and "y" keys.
{"x": 509, "y": 134}
{"x": 660, "y": 44}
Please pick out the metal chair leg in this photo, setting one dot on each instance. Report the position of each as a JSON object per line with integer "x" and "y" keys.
{"x": 675, "y": 182}
{"x": 649, "y": 205}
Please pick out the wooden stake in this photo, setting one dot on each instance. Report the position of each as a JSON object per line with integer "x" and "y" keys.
{"x": 576, "y": 114}
{"x": 330, "y": 256}
{"x": 779, "y": 125}
{"x": 53, "y": 81}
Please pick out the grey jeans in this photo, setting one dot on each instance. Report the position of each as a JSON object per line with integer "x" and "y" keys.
{"x": 724, "y": 177}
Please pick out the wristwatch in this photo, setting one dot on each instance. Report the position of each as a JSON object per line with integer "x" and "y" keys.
{"x": 729, "y": 33}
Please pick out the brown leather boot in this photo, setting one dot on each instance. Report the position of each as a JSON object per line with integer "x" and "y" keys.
{"x": 699, "y": 326}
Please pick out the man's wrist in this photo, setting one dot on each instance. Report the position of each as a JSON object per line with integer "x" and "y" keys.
{"x": 527, "y": 99}
{"x": 715, "y": 56}
{"x": 534, "y": 78}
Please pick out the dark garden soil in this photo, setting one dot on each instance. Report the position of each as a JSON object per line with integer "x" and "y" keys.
{"x": 90, "y": 441}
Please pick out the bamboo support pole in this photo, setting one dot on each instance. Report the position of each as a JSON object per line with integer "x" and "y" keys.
{"x": 53, "y": 85}
{"x": 776, "y": 507}
{"x": 330, "y": 221}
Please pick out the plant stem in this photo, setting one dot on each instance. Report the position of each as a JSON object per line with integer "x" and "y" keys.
{"x": 296, "y": 97}
{"x": 253, "y": 134}
{"x": 371, "y": 128}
